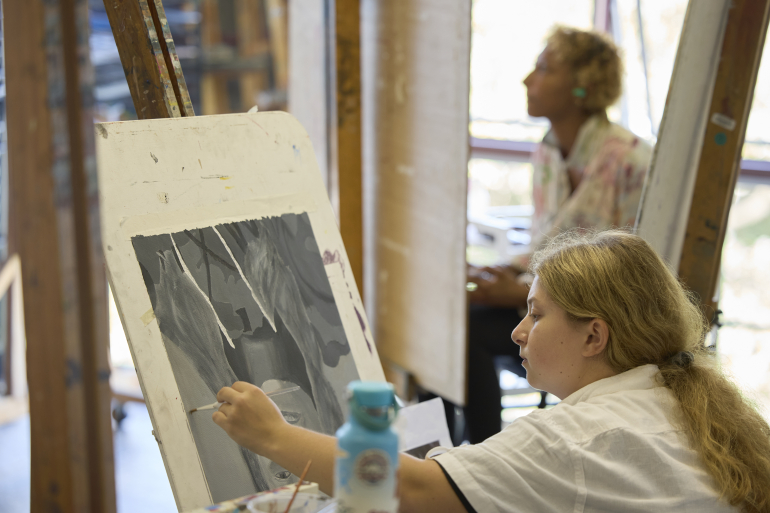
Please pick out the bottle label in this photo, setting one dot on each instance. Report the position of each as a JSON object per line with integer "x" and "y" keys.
{"x": 368, "y": 485}
{"x": 372, "y": 466}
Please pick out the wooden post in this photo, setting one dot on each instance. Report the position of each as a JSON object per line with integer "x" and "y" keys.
{"x": 55, "y": 210}
{"x": 213, "y": 86}
{"x": 252, "y": 41}
{"x": 348, "y": 148}
{"x": 719, "y": 164}
{"x": 276, "y": 17}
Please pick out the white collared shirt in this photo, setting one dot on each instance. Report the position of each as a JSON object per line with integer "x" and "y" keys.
{"x": 607, "y": 447}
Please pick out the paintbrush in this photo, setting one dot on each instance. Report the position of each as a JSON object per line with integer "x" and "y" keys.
{"x": 299, "y": 483}
{"x": 218, "y": 404}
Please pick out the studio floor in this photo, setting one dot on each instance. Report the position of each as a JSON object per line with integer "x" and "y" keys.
{"x": 141, "y": 481}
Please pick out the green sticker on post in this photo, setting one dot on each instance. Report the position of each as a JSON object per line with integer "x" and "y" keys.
{"x": 720, "y": 138}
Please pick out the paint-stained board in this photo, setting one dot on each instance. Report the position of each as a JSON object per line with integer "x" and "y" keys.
{"x": 226, "y": 264}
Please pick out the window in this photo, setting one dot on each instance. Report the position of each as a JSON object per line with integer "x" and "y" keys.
{"x": 649, "y": 44}
{"x": 744, "y": 339}
{"x": 507, "y": 38}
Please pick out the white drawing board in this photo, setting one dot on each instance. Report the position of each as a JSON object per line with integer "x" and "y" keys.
{"x": 226, "y": 264}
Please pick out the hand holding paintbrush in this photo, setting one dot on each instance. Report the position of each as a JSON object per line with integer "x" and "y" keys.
{"x": 216, "y": 405}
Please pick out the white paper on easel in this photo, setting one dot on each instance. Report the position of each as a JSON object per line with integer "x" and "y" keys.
{"x": 226, "y": 264}
{"x": 422, "y": 427}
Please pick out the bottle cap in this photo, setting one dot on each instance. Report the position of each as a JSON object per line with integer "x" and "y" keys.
{"x": 372, "y": 403}
{"x": 372, "y": 393}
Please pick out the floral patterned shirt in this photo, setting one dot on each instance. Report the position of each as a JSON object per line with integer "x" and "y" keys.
{"x": 613, "y": 163}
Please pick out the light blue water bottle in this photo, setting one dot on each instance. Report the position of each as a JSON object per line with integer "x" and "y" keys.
{"x": 367, "y": 451}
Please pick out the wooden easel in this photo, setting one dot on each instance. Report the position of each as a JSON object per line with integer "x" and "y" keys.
{"x": 697, "y": 159}
{"x": 149, "y": 58}
{"x": 720, "y": 158}
{"x": 55, "y": 231}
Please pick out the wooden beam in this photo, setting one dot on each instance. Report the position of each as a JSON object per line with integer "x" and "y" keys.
{"x": 91, "y": 276}
{"x": 54, "y": 209}
{"x": 347, "y": 16}
{"x": 213, "y": 86}
{"x": 278, "y": 28}
{"x": 252, "y": 41}
{"x": 719, "y": 164}
{"x": 150, "y": 62}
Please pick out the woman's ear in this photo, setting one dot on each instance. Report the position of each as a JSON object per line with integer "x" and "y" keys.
{"x": 598, "y": 334}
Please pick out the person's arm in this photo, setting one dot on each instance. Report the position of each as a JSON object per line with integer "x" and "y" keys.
{"x": 498, "y": 286}
{"x": 255, "y": 422}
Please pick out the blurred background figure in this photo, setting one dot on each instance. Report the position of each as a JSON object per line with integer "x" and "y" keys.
{"x": 588, "y": 173}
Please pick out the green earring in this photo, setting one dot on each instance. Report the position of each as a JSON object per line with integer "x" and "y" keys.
{"x": 579, "y": 92}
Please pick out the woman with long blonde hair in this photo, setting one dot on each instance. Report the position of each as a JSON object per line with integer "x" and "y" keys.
{"x": 647, "y": 421}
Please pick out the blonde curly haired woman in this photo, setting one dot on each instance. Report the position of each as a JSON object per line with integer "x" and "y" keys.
{"x": 647, "y": 420}
{"x": 588, "y": 173}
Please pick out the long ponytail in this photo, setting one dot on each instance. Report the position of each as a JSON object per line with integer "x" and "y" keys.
{"x": 725, "y": 429}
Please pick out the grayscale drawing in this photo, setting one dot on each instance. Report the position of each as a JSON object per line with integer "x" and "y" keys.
{"x": 248, "y": 301}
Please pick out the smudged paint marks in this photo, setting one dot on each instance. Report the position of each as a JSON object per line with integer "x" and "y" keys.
{"x": 363, "y": 329}
{"x": 334, "y": 258}
{"x": 297, "y": 152}
{"x": 260, "y": 126}
{"x": 101, "y": 130}
{"x": 154, "y": 157}
{"x": 330, "y": 258}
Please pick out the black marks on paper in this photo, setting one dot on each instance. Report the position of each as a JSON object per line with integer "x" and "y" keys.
{"x": 363, "y": 329}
